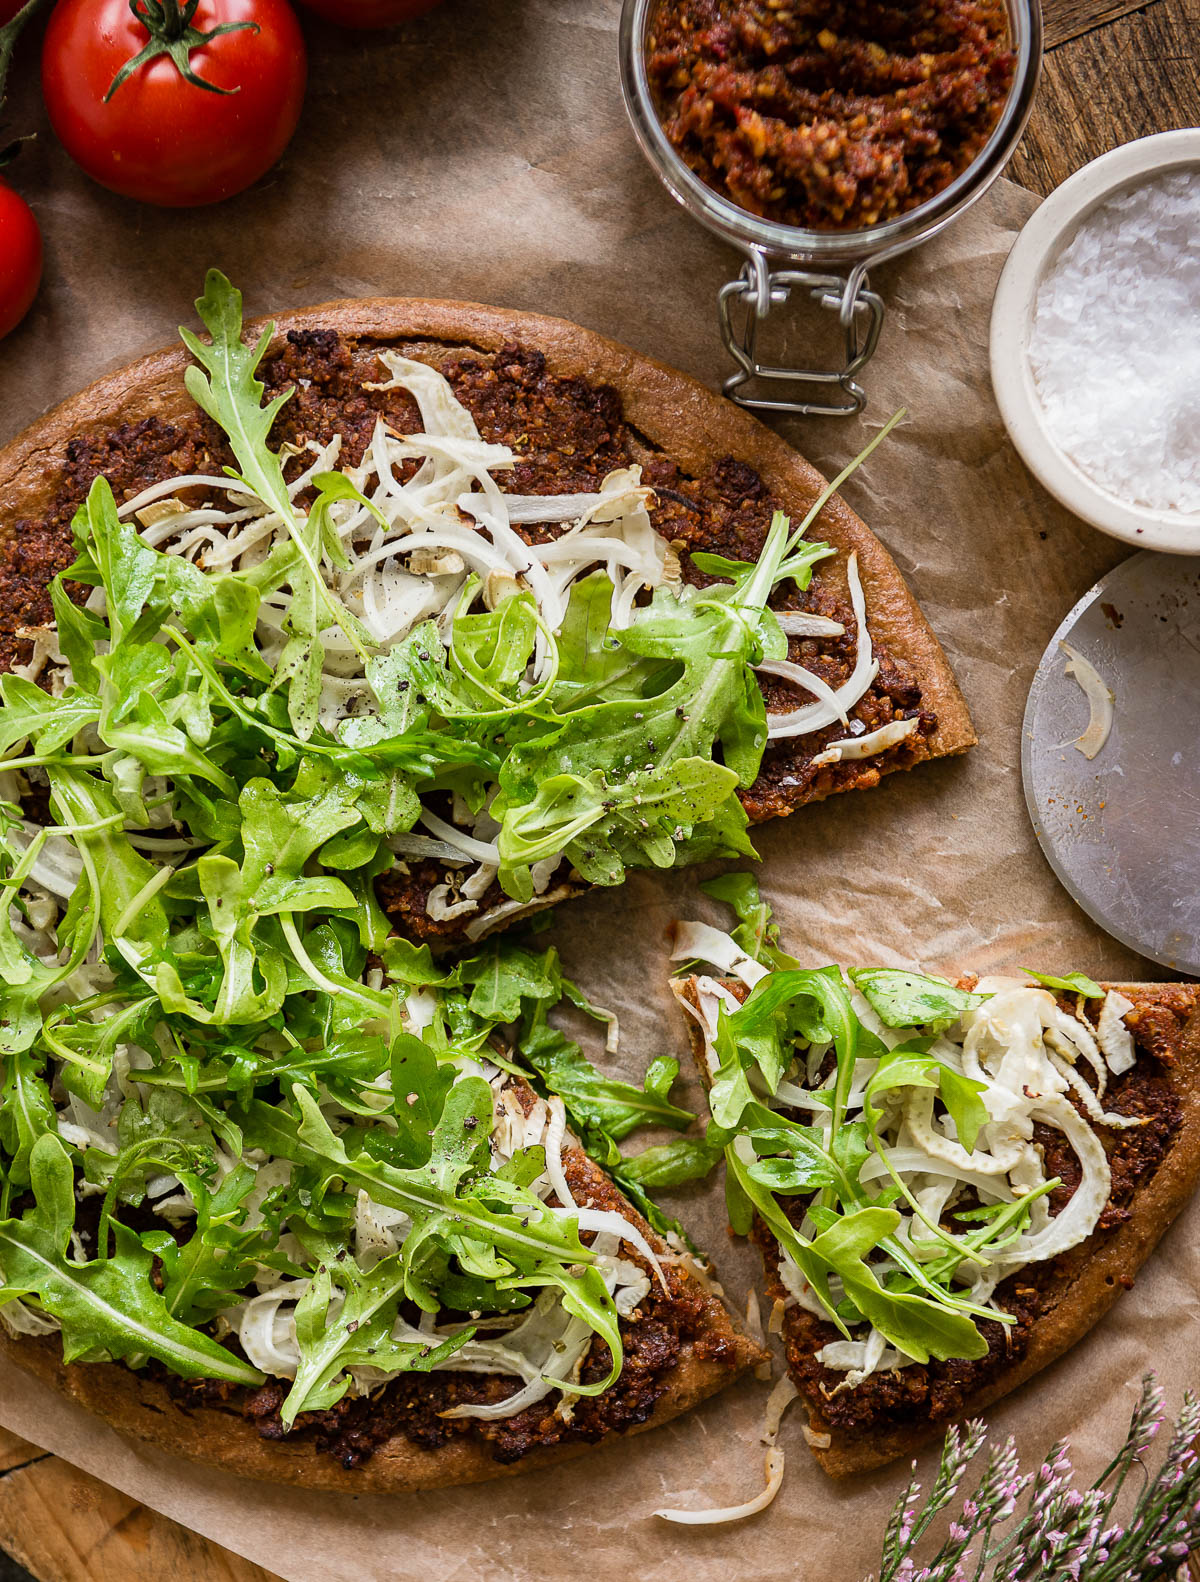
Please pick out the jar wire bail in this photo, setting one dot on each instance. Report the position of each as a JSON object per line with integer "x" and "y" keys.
{"x": 746, "y": 302}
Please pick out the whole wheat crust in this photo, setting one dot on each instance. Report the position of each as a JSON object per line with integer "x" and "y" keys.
{"x": 1107, "y": 1271}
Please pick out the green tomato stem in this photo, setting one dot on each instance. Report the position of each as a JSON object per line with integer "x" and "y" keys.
{"x": 171, "y": 33}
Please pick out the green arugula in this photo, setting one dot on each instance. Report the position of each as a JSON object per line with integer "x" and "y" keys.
{"x": 223, "y": 383}
{"x": 1073, "y": 983}
{"x": 347, "y": 1319}
{"x": 908, "y": 999}
{"x": 215, "y": 1033}
{"x": 906, "y": 1289}
{"x": 107, "y": 1307}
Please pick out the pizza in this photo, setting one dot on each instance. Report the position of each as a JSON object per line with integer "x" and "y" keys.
{"x": 949, "y": 1183}
{"x": 326, "y": 653}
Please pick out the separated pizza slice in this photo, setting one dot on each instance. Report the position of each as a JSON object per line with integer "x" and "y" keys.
{"x": 950, "y": 1184}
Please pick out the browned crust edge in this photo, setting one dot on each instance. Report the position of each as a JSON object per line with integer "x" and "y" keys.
{"x": 673, "y": 412}
{"x": 143, "y": 1408}
{"x": 1092, "y": 1293}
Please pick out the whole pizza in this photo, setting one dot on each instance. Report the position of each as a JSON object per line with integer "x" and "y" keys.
{"x": 334, "y": 649}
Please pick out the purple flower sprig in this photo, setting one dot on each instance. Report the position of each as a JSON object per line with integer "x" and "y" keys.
{"x": 1066, "y": 1534}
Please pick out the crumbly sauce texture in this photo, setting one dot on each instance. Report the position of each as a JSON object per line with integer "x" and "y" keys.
{"x": 829, "y": 114}
{"x": 567, "y": 435}
{"x": 937, "y": 1392}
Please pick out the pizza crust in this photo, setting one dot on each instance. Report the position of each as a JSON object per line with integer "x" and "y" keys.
{"x": 144, "y": 1409}
{"x": 1103, "y": 1274}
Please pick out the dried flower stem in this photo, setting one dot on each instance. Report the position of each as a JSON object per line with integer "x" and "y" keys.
{"x": 1066, "y": 1534}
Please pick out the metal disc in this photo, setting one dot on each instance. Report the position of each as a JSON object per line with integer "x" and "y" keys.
{"x": 1122, "y": 832}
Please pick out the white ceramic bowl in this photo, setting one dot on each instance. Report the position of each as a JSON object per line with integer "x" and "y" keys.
{"x": 1049, "y": 231}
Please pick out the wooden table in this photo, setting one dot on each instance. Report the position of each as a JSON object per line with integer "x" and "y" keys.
{"x": 66, "y": 1527}
{"x": 1113, "y": 71}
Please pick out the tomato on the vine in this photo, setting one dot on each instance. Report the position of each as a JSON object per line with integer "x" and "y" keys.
{"x": 174, "y": 103}
{"x": 20, "y": 258}
{"x": 370, "y": 13}
{"x": 9, "y": 9}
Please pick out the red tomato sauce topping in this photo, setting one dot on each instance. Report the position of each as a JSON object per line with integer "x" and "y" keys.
{"x": 829, "y": 114}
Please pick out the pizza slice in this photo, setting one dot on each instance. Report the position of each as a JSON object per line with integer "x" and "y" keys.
{"x": 349, "y": 1247}
{"x": 585, "y": 614}
{"x": 950, "y": 1183}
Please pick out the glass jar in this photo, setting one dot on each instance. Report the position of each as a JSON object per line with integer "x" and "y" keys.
{"x": 835, "y": 263}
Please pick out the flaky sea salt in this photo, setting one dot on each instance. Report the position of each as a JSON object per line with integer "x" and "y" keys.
{"x": 1115, "y": 346}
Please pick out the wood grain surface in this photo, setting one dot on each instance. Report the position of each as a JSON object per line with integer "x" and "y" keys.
{"x": 1113, "y": 72}
{"x": 64, "y": 1526}
{"x": 1067, "y": 19}
{"x": 1129, "y": 78}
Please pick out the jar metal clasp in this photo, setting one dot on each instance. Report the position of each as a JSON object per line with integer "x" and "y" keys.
{"x": 746, "y": 302}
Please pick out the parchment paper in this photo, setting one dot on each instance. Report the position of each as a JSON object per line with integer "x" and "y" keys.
{"x": 484, "y": 154}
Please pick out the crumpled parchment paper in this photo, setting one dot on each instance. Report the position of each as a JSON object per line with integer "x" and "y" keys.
{"x": 484, "y": 154}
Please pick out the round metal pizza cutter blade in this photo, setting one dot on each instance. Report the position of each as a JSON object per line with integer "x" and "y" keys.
{"x": 1122, "y": 832}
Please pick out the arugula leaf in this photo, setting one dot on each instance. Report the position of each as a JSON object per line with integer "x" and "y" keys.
{"x": 428, "y": 1194}
{"x": 961, "y": 1096}
{"x": 26, "y": 1114}
{"x": 108, "y": 1307}
{"x": 913, "y": 1324}
{"x": 804, "y": 1166}
{"x": 798, "y": 565}
{"x": 593, "y": 1100}
{"x": 89, "y": 1046}
{"x": 809, "y": 1004}
{"x": 909, "y": 999}
{"x": 910, "y": 1066}
{"x": 505, "y": 975}
{"x": 310, "y": 613}
{"x": 47, "y": 723}
{"x": 224, "y": 385}
{"x": 628, "y": 780}
{"x": 121, "y": 879}
{"x": 756, "y": 933}
{"x": 677, "y": 1162}
{"x": 603, "y": 828}
{"x": 1073, "y": 983}
{"x": 593, "y": 665}
{"x": 346, "y": 1319}
{"x": 209, "y": 1271}
{"x": 280, "y": 835}
{"x": 25, "y": 979}
{"x": 420, "y": 1083}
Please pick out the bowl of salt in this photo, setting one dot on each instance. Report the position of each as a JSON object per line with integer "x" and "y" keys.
{"x": 1095, "y": 343}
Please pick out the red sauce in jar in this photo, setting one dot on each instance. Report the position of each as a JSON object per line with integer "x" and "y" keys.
{"x": 829, "y": 114}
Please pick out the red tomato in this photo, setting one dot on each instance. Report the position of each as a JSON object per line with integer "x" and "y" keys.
{"x": 9, "y": 9}
{"x": 370, "y": 13}
{"x": 20, "y": 258}
{"x": 159, "y": 137}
